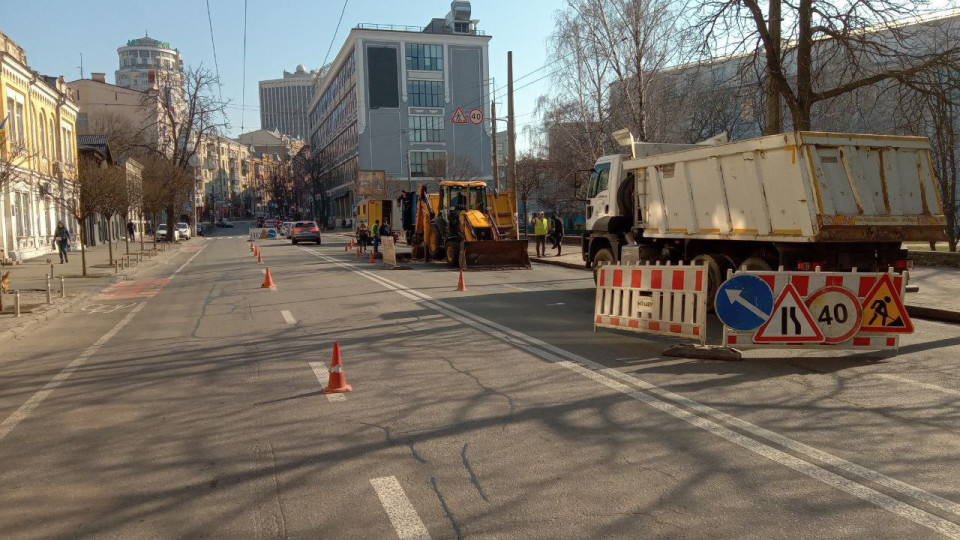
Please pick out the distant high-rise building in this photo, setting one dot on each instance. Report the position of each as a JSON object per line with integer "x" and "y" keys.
{"x": 145, "y": 61}
{"x": 284, "y": 103}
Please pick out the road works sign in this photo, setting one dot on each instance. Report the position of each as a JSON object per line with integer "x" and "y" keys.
{"x": 818, "y": 310}
{"x": 744, "y": 302}
{"x": 458, "y": 117}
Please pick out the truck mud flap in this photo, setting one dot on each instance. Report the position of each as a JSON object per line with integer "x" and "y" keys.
{"x": 494, "y": 254}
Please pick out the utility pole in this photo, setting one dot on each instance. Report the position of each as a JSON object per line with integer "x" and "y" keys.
{"x": 493, "y": 131}
{"x": 773, "y": 122}
{"x": 511, "y": 139}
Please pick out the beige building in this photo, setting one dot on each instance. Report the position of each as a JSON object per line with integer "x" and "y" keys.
{"x": 146, "y": 62}
{"x": 38, "y": 155}
{"x": 225, "y": 174}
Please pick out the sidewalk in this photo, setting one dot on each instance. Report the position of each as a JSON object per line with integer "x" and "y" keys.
{"x": 30, "y": 279}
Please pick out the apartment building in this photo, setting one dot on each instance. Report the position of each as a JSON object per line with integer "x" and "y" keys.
{"x": 38, "y": 155}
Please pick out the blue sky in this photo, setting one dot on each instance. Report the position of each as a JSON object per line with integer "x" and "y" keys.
{"x": 280, "y": 35}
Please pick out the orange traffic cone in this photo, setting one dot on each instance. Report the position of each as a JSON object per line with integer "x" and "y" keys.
{"x": 268, "y": 281}
{"x": 358, "y": 253}
{"x": 353, "y": 243}
{"x": 259, "y": 258}
{"x": 251, "y": 246}
{"x": 371, "y": 256}
{"x": 460, "y": 285}
{"x": 346, "y": 248}
{"x": 338, "y": 382}
{"x": 256, "y": 251}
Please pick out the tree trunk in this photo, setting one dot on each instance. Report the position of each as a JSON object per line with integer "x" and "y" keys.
{"x": 171, "y": 224}
{"x": 83, "y": 245}
{"x": 801, "y": 113}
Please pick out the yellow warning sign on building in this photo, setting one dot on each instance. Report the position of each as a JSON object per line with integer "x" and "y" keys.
{"x": 883, "y": 311}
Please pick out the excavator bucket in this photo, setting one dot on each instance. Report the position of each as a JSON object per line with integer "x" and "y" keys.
{"x": 494, "y": 254}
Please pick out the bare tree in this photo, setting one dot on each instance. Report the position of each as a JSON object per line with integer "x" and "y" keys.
{"x": 189, "y": 112}
{"x": 12, "y": 158}
{"x": 165, "y": 185}
{"x": 113, "y": 200}
{"x": 834, "y": 47}
{"x": 93, "y": 186}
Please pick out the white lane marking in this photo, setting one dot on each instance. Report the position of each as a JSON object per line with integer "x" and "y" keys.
{"x": 401, "y": 512}
{"x": 287, "y": 316}
{"x": 920, "y": 384}
{"x": 323, "y": 376}
{"x": 31, "y": 404}
{"x": 555, "y": 354}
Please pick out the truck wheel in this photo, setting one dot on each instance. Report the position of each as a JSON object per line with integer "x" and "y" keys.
{"x": 604, "y": 256}
{"x": 453, "y": 253}
{"x": 756, "y": 264}
{"x": 715, "y": 274}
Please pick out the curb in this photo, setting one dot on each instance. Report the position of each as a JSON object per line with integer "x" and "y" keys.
{"x": 558, "y": 263}
{"x": 70, "y": 304}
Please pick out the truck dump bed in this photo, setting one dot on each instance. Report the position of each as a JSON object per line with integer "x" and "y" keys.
{"x": 794, "y": 187}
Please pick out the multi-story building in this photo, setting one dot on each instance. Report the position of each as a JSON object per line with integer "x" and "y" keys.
{"x": 272, "y": 142}
{"x": 146, "y": 61}
{"x": 38, "y": 155}
{"x": 224, "y": 165}
{"x": 399, "y": 99}
{"x": 284, "y": 103}
{"x": 105, "y": 107}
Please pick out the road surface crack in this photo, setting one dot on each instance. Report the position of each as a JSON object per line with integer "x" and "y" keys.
{"x": 391, "y": 440}
{"x": 509, "y": 415}
{"x": 446, "y": 509}
{"x": 473, "y": 476}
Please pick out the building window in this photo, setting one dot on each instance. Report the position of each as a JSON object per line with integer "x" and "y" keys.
{"x": 425, "y": 93}
{"x": 426, "y": 164}
{"x": 382, "y": 77}
{"x": 424, "y": 57}
{"x": 426, "y": 129}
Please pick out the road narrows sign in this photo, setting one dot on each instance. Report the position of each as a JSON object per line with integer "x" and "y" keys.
{"x": 790, "y": 321}
{"x": 883, "y": 311}
{"x": 458, "y": 117}
{"x": 837, "y": 313}
{"x": 744, "y": 302}
{"x": 476, "y": 116}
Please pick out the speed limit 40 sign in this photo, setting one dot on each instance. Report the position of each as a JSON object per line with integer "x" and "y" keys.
{"x": 836, "y": 312}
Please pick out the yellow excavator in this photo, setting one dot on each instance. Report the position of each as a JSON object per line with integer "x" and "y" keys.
{"x": 456, "y": 226}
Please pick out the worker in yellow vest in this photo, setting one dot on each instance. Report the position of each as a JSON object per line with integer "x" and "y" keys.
{"x": 540, "y": 228}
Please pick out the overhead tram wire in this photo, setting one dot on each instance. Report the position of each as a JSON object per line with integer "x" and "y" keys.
{"x": 216, "y": 64}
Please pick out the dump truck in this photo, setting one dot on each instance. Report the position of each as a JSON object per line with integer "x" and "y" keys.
{"x": 456, "y": 226}
{"x": 798, "y": 200}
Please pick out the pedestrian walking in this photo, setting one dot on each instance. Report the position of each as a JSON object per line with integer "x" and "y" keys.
{"x": 362, "y": 236}
{"x": 62, "y": 238}
{"x": 540, "y": 228}
{"x": 376, "y": 235}
{"x": 131, "y": 230}
{"x": 556, "y": 233}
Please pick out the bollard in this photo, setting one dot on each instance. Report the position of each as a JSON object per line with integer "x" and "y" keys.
{"x": 63, "y": 288}
{"x": 49, "y": 299}
{"x": 16, "y": 303}
{"x": 51, "y": 270}
{"x": 116, "y": 266}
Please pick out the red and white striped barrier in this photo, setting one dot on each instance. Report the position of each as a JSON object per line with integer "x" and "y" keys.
{"x": 809, "y": 286}
{"x": 654, "y": 299}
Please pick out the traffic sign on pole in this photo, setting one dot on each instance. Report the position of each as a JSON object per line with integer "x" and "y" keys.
{"x": 790, "y": 321}
{"x": 458, "y": 117}
{"x": 744, "y": 302}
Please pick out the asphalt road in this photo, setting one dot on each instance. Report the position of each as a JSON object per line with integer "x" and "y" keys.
{"x": 189, "y": 405}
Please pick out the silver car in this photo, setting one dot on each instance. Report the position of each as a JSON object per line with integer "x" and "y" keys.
{"x": 305, "y": 231}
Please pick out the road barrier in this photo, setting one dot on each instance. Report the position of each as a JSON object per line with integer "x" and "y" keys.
{"x": 813, "y": 310}
{"x": 653, "y": 299}
{"x": 269, "y": 232}
{"x": 389, "y": 251}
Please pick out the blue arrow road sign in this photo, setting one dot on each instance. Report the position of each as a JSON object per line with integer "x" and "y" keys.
{"x": 744, "y": 302}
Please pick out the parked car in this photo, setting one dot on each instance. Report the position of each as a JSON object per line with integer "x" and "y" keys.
{"x": 224, "y": 224}
{"x": 184, "y": 230}
{"x": 305, "y": 231}
{"x": 285, "y": 228}
{"x": 162, "y": 233}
